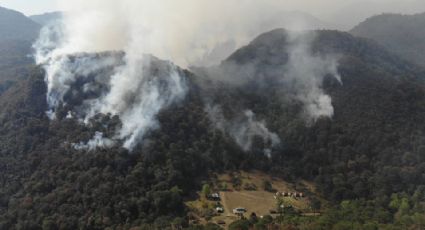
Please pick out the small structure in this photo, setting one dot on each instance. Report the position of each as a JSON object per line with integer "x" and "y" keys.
{"x": 289, "y": 194}
{"x": 219, "y": 210}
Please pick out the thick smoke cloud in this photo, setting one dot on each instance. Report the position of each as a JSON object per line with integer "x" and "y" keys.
{"x": 137, "y": 99}
{"x": 136, "y": 89}
{"x": 188, "y": 32}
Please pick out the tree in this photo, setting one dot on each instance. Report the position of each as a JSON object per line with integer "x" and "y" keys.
{"x": 240, "y": 225}
{"x": 206, "y": 190}
{"x": 267, "y": 185}
{"x": 224, "y": 186}
{"x": 315, "y": 204}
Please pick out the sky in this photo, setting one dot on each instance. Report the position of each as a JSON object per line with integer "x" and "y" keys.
{"x": 345, "y": 13}
{"x": 30, "y": 7}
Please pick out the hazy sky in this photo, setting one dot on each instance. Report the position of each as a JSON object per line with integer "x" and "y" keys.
{"x": 342, "y": 12}
{"x": 30, "y": 7}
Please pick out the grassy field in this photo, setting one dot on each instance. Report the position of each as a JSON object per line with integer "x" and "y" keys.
{"x": 247, "y": 190}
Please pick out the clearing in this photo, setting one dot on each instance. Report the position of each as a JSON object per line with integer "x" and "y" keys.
{"x": 248, "y": 190}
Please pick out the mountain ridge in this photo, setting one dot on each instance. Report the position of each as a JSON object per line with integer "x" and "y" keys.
{"x": 401, "y": 34}
{"x": 16, "y": 26}
{"x": 46, "y": 18}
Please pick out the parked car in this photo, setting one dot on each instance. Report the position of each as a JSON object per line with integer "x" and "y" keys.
{"x": 239, "y": 211}
{"x": 214, "y": 197}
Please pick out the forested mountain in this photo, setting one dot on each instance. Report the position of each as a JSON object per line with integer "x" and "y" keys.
{"x": 401, "y": 34}
{"x": 369, "y": 154}
{"x": 46, "y": 18}
{"x": 378, "y": 110}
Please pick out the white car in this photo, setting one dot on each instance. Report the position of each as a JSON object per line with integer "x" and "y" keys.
{"x": 239, "y": 211}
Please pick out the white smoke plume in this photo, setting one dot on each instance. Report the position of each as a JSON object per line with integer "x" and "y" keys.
{"x": 296, "y": 70}
{"x": 243, "y": 129}
{"x": 135, "y": 90}
{"x": 187, "y": 32}
{"x": 305, "y": 72}
{"x": 98, "y": 141}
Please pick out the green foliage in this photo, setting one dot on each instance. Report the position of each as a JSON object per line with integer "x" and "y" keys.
{"x": 206, "y": 190}
{"x": 240, "y": 225}
{"x": 315, "y": 204}
{"x": 208, "y": 226}
{"x": 267, "y": 186}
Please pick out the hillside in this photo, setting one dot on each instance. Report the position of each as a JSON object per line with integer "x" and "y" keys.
{"x": 17, "y": 32}
{"x": 369, "y": 149}
{"x": 401, "y": 34}
{"x": 16, "y": 26}
{"x": 366, "y": 159}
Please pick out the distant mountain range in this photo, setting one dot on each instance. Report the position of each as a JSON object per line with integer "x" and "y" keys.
{"x": 401, "y": 34}
{"x": 17, "y": 33}
{"x": 46, "y": 18}
{"x": 16, "y": 26}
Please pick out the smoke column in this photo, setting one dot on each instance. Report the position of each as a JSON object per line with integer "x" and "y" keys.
{"x": 134, "y": 92}
{"x": 305, "y": 72}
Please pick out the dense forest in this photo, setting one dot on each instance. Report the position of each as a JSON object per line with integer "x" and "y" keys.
{"x": 367, "y": 160}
